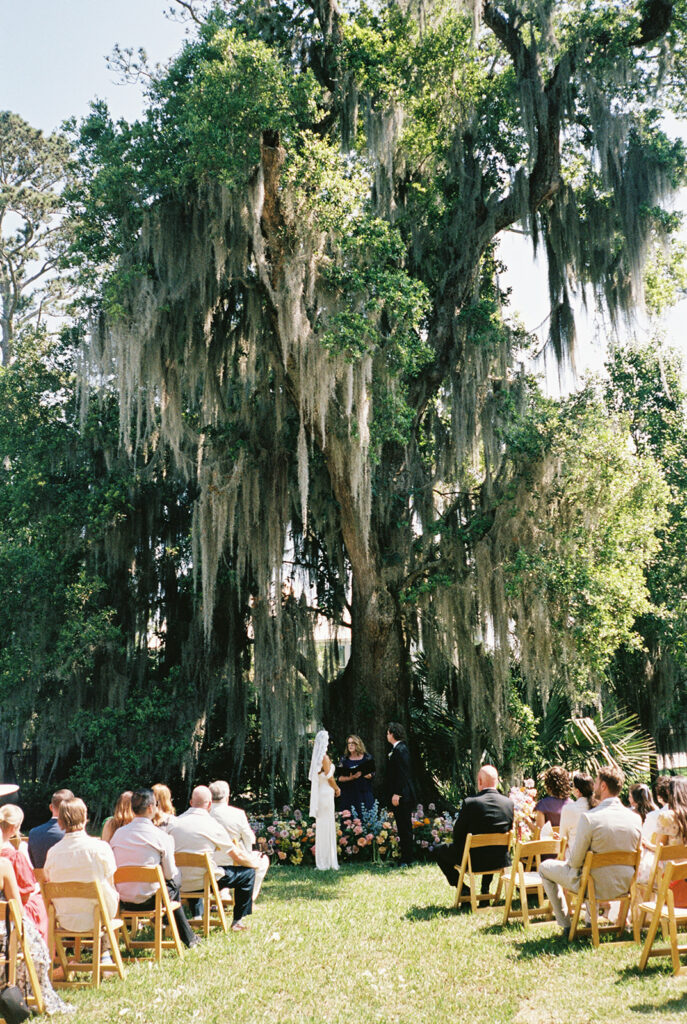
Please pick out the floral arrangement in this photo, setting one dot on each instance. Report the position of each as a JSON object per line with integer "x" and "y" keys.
{"x": 524, "y": 798}
{"x": 289, "y": 838}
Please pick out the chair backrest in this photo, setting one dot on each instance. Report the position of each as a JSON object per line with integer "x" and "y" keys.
{"x": 664, "y": 852}
{"x": 474, "y": 842}
{"x": 39, "y": 874}
{"x": 614, "y": 858}
{"x": 138, "y": 873}
{"x": 200, "y": 861}
{"x": 675, "y": 871}
{"x": 75, "y": 890}
{"x": 193, "y": 860}
{"x": 536, "y": 848}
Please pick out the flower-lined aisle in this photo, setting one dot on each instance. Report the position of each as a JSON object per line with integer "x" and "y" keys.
{"x": 289, "y": 838}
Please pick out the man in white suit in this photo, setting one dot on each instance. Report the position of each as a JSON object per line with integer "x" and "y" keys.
{"x": 608, "y": 827}
{"x": 235, "y": 821}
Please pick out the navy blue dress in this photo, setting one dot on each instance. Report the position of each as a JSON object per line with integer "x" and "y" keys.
{"x": 358, "y": 792}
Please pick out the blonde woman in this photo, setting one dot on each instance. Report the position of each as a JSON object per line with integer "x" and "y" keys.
{"x": 355, "y": 773}
{"x": 165, "y": 808}
{"x": 122, "y": 816}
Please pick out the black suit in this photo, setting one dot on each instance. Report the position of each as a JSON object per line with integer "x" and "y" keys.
{"x": 41, "y": 838}
{"x": 400, "y": 781}
{"x": 488, "y": 812}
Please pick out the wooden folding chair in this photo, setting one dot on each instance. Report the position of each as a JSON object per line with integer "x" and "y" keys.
{"x": 664, "y": 911}
{"x": 646, "y": 893}
{"x": 587, "y": 894}
{"x": 466, "y": 870}
{"x": 164, "y": 906}
{"x": 59, "y": 936}
{"x": 16, "y": 946}
{"x": 524, "y": 875}
{"x": 214, "y": 901}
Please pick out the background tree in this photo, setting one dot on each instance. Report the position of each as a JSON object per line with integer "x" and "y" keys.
{"x": 298, "y": 296}
{"x": 646, "y": 382}
{"x": 33, "y": 171}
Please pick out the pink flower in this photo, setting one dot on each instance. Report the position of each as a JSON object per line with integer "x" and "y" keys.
{"x": 362, "y": 842}
{"x": 281, "y": 855}
{"x": 345, "y": 814}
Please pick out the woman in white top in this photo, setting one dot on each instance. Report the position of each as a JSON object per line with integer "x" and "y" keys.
{"x": 323, "y": 788}
{"x": 642, "y": 804}
{"x": 582, "y": 789}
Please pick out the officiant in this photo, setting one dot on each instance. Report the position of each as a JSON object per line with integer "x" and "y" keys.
{"x": 354, "y": 774}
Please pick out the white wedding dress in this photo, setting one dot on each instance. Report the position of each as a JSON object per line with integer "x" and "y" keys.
{"x": 325, "y": 825}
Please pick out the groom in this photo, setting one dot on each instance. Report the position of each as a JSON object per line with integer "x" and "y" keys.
{"x": 401, "y": 789}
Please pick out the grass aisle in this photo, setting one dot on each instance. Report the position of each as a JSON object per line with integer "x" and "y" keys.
{"x": 373, "y": 944}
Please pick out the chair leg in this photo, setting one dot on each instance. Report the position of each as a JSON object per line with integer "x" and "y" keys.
{"x": 650, "y": 936}
{"x": 674, "y": 951}
{"x": 593, "y": 908}
{"x": 459, "y": 886}
{"x": 97, "y": 948}
{"x": 206, "y": 909}
{"x": 576, "y": 917}
{"x": 509, "y": 898}
{"x": 523, "y": 901}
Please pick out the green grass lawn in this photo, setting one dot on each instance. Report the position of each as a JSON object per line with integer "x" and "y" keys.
{"x": 374, "y": 944}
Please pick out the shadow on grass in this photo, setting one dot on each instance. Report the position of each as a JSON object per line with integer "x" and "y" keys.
{"x": 430, "y": 912}
{"x": 660, "y": 1006}
{"x": 552, "y": 945}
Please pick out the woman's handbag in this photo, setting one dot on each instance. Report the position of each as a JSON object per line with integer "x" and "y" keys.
{"x": 13, "y": 1006}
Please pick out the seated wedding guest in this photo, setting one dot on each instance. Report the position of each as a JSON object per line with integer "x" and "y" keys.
{"x": 140, "y": 843}
{"x": 608, "y": 827}
{"x": 122, "y": 816}
{"x": 79, "y": 857}
{"x": 9, "y": 890}
{"x": 165, "y": 808}
{"x": 42, "y": 837}
{"x": 236, "y": 823}
{"x": 354, "y": 774}
{"x": 557, "y": 785}
{"x": 642, "y": 804}
{"x": 11, "y": 818}
{"x": 582, "y": 790}
{"x": 662, "y": 790}
{"x": 488, "y": 812}
{"x": 195, "y": 831}
{"x": 672, "y": 819}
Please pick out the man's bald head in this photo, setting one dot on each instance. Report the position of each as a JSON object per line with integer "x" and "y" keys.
{"x": 201, "y": 797}
{"x": 488, "y": 777}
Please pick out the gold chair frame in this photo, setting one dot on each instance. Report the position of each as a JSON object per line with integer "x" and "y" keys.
{"x": 664, "y": 912}
{"x": 523, "y": 875}
{"x": 465, "y": 869}
{"x": 163, "y": 907}
{"x": 58, "y": 936}
{"x": 587, "y": 894}
{"x": 214, "y": 903}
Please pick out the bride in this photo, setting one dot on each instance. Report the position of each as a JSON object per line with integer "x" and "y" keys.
{"x": 323, "y": 787}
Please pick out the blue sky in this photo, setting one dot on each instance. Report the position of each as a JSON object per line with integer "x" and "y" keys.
{"x": 52, "y": 54}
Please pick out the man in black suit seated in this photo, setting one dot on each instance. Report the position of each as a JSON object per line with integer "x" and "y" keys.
{"x": 488, "y": 812}
{"x": 42, "y": 837}
{"x": 401, "y": 789}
